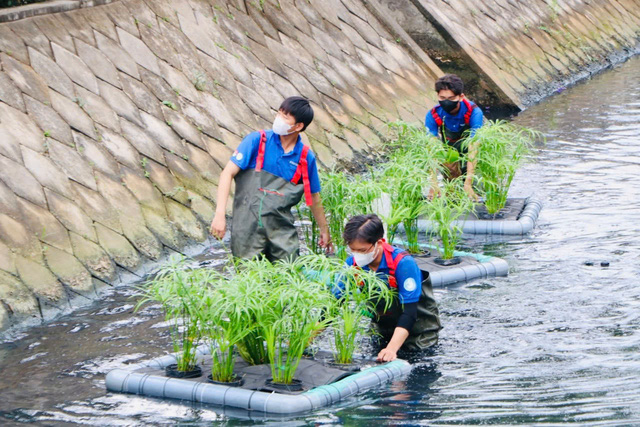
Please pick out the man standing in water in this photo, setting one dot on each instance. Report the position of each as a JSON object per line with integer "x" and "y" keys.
{"x": 455, "y": 119}
{"x": 413, "y": 320}
{"x": 273, "y": 169}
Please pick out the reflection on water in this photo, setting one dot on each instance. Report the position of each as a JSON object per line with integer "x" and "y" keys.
{"x": 555, "y": 342}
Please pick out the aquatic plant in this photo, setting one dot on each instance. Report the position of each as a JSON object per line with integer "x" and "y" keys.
{"x": 342, "y": 197}
{"x": 226, "y": 315}
{"x": 501, "y": 149}
{"x": 291, "y": 312}
{"x": 443, "y": 210}
{"x": 359, "y": 294}
{"x": 180, "y": 291}
{"x": 413, "y": 162}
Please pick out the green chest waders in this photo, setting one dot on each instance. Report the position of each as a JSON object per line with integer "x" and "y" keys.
{"x": 424, "y": 332}
{"x": 262, "y": 222}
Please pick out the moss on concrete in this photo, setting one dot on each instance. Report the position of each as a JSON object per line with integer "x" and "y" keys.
{"x": 69, "y": 270}
{"x": 118, "y": 248}
{"x": 17, "y": 297}
{"x": 40, "y": 280}
{"x": 93, "y": 257}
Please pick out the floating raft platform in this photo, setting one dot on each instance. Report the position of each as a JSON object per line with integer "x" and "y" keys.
{"x": 148, "y": 379}
{"x": 471, "y": 266}
{"x": 518, "y": 217}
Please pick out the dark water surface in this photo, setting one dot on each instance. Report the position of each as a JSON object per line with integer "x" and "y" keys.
{"x": 556, "y": 342}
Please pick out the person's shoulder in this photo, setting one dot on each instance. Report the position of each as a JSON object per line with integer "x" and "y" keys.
{"x": 475, "y": 107}
{"x": 437, "y": 108}
{"x": 476, "y": 111}
{"x": 253, "y": 136}
{"x": 407, "y": 259}
{"x": 311, "y": 156}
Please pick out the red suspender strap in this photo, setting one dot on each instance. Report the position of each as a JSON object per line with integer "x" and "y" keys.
{"x": 392, "y": 263}
{"x": 303, "y": 171}
{"x": 467, "y": 115}
{"x": 436, "y": 117}
{"x": 387, "y": 249}
{"x": 261, "y": 148}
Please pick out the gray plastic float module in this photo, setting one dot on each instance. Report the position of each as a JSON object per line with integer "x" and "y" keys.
{"x": 466, "y": 271}
{"x": 472, "y": 266}
{"x": 129, "y": 381}
{"x": 521, "y": 222}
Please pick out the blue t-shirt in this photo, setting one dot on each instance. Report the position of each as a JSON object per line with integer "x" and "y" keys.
{"x": 408, "y": 277}
{"x": 453, "y": 123}
{"x": 276, "y": 161}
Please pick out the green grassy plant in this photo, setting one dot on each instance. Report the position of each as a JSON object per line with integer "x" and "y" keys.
{"x": 291, "y": 311}
{"x": 502, "y": 147}
{"x": 358, "y": 295}
{"x": 414, "y": 160}
{"x": 180, "y": 291}
{"x": 452, "y": 204}
{"x": 342, "y": 197}
{"x": 226, "y": 316}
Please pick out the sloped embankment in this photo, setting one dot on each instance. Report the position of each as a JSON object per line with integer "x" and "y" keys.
{"x": 115, "y": 122}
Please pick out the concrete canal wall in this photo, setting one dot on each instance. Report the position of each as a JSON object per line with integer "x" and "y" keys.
{"x": 117, "y": 116}
{"x": 512, "y": 53}
{"x": 116, "y": 119}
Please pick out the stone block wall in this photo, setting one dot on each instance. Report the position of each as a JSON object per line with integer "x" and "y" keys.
{"x": 116, "y": 121}
{"x": 517, "y": 52}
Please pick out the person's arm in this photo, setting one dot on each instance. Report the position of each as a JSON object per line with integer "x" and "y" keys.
{"x": 390, "y": 352}
{"x": 432, "y": 127}
{"x": 219, "y": 223}
{"x": 401, "y": 332}
{"x": 240, "y": 160}
{"x": 430, "y": 124}
{"x": 475, "y": 121}
{"x": 318, "y": 213}
{"x": 409, "y": 279}
{"x": 471, "y": 167}
{"x": 316, "y": 208}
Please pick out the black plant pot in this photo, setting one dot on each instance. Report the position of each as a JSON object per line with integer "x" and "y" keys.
{"x": 238, "y": 381}
{"x": 296, "y": 385}
{"x": 424, "y": 253}
{"x": 490, "y": 217}
{"x": 349, "y": 367}
{"x": 447, "y": 262}
{"x": 173, "y": 372}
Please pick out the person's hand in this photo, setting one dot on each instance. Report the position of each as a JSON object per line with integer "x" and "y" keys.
{"x": 468, "y": 188}
{"x": 433, "y": 192}
{"x": 218, "y": 226}
{"x": 325, "y": 240}
{"x": 387, "y": 355}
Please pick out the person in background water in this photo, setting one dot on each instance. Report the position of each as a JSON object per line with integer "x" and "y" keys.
{"x": 455, "y": 119}
{"x": 413, "y": 321}
{"x": 272, "y": 169}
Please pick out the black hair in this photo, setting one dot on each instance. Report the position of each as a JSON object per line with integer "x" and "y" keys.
{"x": 299, "y": 108}
{"x": 367, "y": 228}
{"x": 451, "y": 82}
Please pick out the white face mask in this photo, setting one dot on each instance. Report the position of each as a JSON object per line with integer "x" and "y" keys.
{"x": 280, "y": 127}
{"x": 365, "y": 259}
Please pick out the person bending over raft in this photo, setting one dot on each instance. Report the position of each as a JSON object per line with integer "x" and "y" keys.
{"x": 273, "y": 169}
{"x": 455, "y": 119}
{"x": 413, "y": 321}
